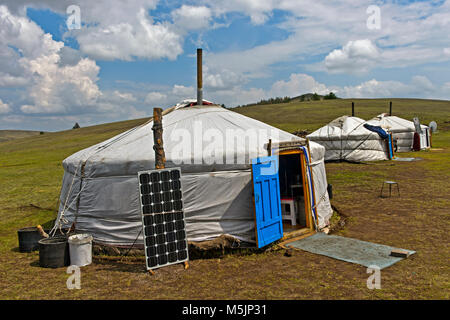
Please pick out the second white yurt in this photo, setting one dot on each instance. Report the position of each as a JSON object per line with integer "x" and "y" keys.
{"x": 348, "y": 138}
{"x": 403, "y": 132}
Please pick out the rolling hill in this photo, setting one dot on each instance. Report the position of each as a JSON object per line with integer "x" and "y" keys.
{"x": 312, "y": 115}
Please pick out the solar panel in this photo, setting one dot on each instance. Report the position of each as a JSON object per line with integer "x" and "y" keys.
{"x": 163, "y": 217}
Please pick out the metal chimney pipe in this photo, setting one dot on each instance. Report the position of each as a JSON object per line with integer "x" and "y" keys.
{"x": 390, "y": 108}
{"x": 199, "y": 78}
{"x": 353, "y": 109}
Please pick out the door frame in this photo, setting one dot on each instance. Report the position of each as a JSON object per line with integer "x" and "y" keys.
{"x": 306, "y": 191}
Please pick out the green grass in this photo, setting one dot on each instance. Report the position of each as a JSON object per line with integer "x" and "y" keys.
{"x": 6, "y": 135}
{"x": 30, "y": 181}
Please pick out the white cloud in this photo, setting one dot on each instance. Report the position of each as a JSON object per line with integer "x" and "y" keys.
{"x": 225, "y": 79}
{"x": 58, "y": 89}
{"x": 418, "y": 87}
{"x": 356, "y": 57}
{"x": 126, "y": 40}
{"x": 154, "y": 98}
{"x": 191, "y": 17}
{"x": 53, "y": 79}
{"x": 4, "y": 107}
{"x": 258, "y": 11}
{"x": 411, "y": 34}
{"x": 183, "y": 91}
{"x": 123, "y": 96}
{"x": 298, "y": 84}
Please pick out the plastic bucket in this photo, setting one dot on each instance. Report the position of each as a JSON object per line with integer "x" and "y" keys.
{"x": 54, "y": 252}
{"x": 80, "y": 248}
{"x": 28, "y": 239}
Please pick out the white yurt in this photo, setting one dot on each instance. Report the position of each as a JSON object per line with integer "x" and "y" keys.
{"x": 402, "y": 131}
{"x": 346, "y": 138}
{"x": 100, "y": 189}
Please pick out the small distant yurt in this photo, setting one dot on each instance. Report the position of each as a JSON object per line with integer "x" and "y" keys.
{"x": 349, "y": 138}
{"x": 403, "y": 132}
{"x": 100, "y": 187}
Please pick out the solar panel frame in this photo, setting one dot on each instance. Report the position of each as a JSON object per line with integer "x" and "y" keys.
{"x": 161, "y": 222}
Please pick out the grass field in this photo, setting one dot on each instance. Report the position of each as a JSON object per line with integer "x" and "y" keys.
{"x": 30, "y": 181}
{"x": 315, "y": 114}
{"x": 6, "y": 135}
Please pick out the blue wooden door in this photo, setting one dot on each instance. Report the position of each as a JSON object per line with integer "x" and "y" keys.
{"x": 266, "y": 188}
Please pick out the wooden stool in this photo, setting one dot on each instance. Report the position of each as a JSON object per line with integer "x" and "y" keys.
{"x": 292, "y": 210}
{"x": 390, "y": 183}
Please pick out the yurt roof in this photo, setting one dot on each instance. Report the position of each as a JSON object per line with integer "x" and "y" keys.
{"x": 393, "y": 123}
{"x": 341, "y": 127}
{"x": 132, "y": 151}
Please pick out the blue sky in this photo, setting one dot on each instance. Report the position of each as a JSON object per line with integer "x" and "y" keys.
{"x": 128, "y": 58}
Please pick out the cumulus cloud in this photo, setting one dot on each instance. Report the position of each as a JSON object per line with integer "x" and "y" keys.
{"x": 356, "y": 57}
{"x": 155, "y": 98}
{"x": 53, "y": 79}
{"x": 192, "y": 17}
{"x": 58, "y": 89}
{"x": 138, "y": 38}
{"x": 258, "y": 11}
{"x": 4, "y": 107}
{"x": 296, "y": 85}
{"x": 222, "y": 79}
{"x": 183, "y": 91}
{"x": 123, "y": 96}
{"x": 419, "y": 86}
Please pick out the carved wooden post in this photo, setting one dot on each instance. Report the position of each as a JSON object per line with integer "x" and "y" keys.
{"x": 160, "y": 157}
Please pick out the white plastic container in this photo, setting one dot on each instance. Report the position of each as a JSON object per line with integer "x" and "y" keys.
{"x": 80, "y": 249}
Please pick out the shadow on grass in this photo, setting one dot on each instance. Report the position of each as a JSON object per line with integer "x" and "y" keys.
{"x": 35, "y": 263}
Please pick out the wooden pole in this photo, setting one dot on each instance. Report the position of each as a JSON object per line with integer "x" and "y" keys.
{"x": 199, "y": 78}
{"x": 158, "y": 146}
{"x": 160, "y": 158}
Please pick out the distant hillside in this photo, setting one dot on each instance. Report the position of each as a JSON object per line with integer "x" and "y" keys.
{"x": 295, "y": 115}
{"x": 6, "y": 135}
{"x": 301, "y": 98}
{"x": 314, "y": 97}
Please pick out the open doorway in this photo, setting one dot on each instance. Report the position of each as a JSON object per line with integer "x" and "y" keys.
{"x": 283, "y": 195}
{"x": 294, "y": 191}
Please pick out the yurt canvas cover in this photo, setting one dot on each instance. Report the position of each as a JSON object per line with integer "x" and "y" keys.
{"x": 402, "y": 131}
{"x": 100, "y": 187}
{"x": 346, "y": 138}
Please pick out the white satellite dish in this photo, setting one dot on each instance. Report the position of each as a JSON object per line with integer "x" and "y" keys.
{"x": 433, "y": 126}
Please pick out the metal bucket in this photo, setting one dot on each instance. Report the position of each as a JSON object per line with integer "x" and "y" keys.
{"x": 28, "y": 239}
{"x": 54, "y": 252}
{"x": 80, "y": 248}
